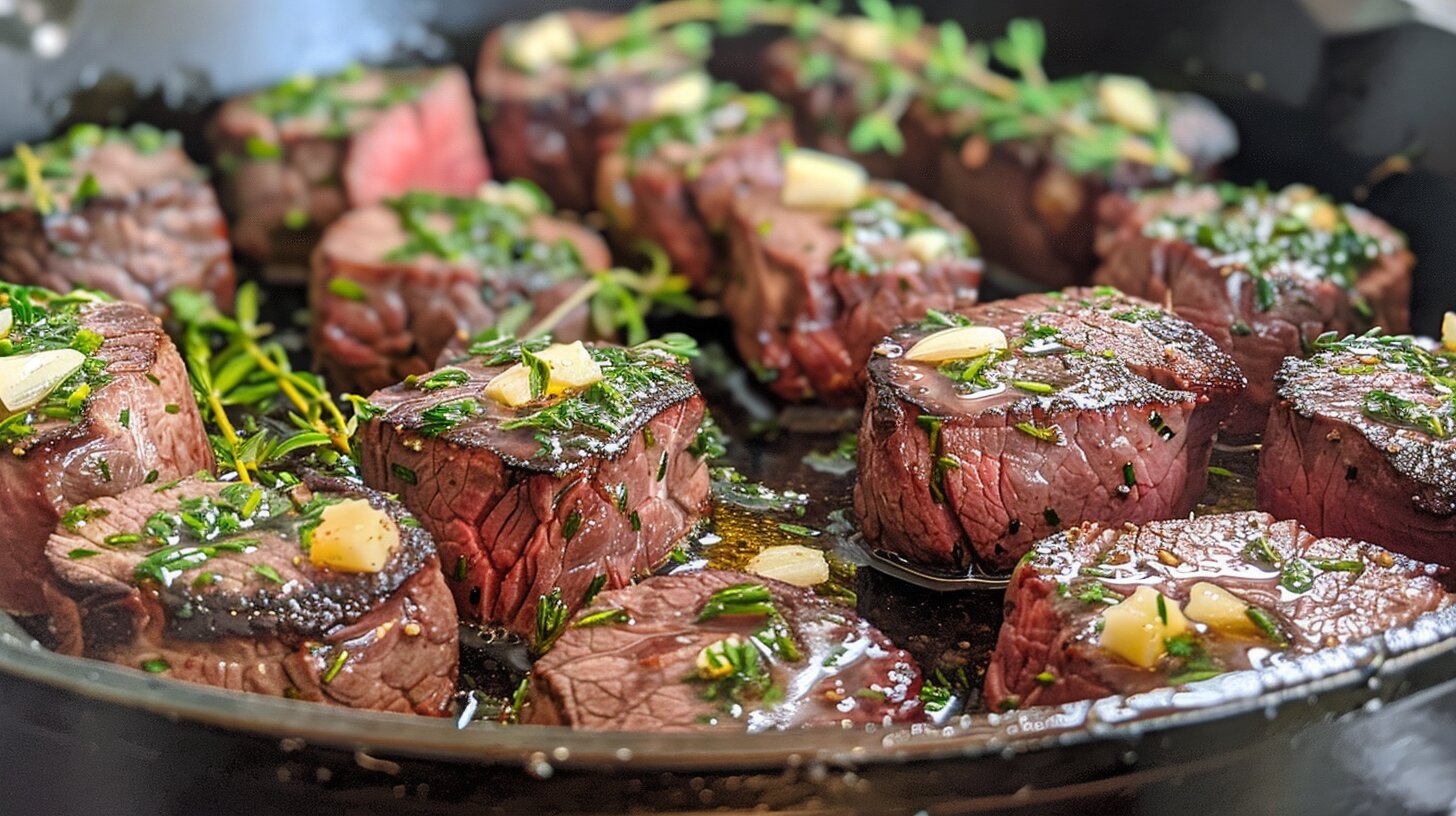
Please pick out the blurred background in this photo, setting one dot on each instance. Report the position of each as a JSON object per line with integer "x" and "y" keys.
{"x": 1351, "y": 96}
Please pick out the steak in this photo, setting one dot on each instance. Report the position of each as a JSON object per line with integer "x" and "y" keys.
{"x": 1362, "y": 443}
{"x": 672, "y": 179}
{"x": 127, "y": 417}
{"x": 523, "y": 501}
{"x": 123, "y": 212}
{"x": 217, "y": 584}
{"x": 830, "y": 85}
{"x": 1284, "y": 591}
{"x": 547, "y": 121}
{"x": 294, "y": 157}
{"x": 632, "y": 661}
{"x": 1034, "y": 211}
{"x": 1025, "y": 189}
{"x": 1263, "y": 274}
{"x": 394, "y": 286}
{"x": 1103, "y": 407}
{"x": 812, "y": 290}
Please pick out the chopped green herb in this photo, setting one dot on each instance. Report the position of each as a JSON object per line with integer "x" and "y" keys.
{"x": 348, "y": 290}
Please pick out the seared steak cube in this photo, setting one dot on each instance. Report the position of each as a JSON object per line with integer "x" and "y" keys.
{"x": 1019, "y": 160}
{"x": 550, "y": 97}
{"x": 394, "y": 285}
{"x": 1112, "y": 609}
{"x": 705, "y": 649}
{"x": 1362, "y": 443}
{"x": 1262, "y": 273}
{"x": 94, "y": 400}
{"x": 988, "y": 431}
{"x": 812, "y": 289}
{"x": 834, "y": 85}
{"x": 123, "y": 212}
{"x": 541, "y": 475}
{"x": 671, "y": 179}
{"x": 322, "y": 592}
{"x": 293, "y": 158}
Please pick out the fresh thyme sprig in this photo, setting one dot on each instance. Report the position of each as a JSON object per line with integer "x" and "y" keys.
{"x": 621, "y": 299}
{"x": 949, "y": 69}
{"x": 260, "y": 408}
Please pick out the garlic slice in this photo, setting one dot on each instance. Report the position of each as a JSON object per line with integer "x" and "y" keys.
{"x": 928, "y": 245}
{"x": 684, "y": 94}
{"x": 7, "y": 319}
{"x": 712, "y": 662}
{"x": 1448, "y": 332}
{"x": 542, "y": 42}
{"x": 26, "y": 379}
{"x": 959, "y": 343}
{"x": 814, "y": 180}
{"x": 1129, "y": 101}
{"x": 354, "y": 536}
{"x": 791, "y": 563}
{"x": 513, "y": 195}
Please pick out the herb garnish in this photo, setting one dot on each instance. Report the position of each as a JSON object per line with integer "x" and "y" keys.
{"x": 1259, "y": 233}
{"x": 46, "y": 172}
{"x": 44, "y": 321}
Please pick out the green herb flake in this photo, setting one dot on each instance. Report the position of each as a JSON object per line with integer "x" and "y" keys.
{"x": 348, "y": 290}
{"x": 604, "y": 617}
{"x": 336, "y": 666}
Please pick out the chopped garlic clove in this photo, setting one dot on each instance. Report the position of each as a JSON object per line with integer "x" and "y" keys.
{"x": 1220, "y": 610}
{"x": 542, "y": 42}
{"x": 1135, "y": 630}
{"x": 685, "y": 94}
{"x": 928, "y": 245}
{"x": 26, "y": 379}
{"x": 1448, "y": 332}
{"x": 515, "y": 195}
{"x": 791, "y": 563}
{"x": 572, "y": 368}
{"x": 1130, "y": 102}
{"x": 713, "y": 662}
{"x": 960, "y": 343}
{"x": 814, "y": 180}
{"x": 354, "y": 537}
{"x": 865, "y": 40}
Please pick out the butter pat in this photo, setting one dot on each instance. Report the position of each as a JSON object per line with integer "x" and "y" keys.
{"x": 542, "y": 42}
{"x": 685, "y": 94}
{"x": 1448, "y": 332}
{"x": 814, "y": 180}
{"x": 572, "y": 368}
{"x": 960, "y": 343}
{"x": 1135, "y": 631}
{"x": 1220, "y": 610}
{"x": 26, "y": 379}
{"x": 354, "y": 537}
{"x": 1128, "y": 101}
